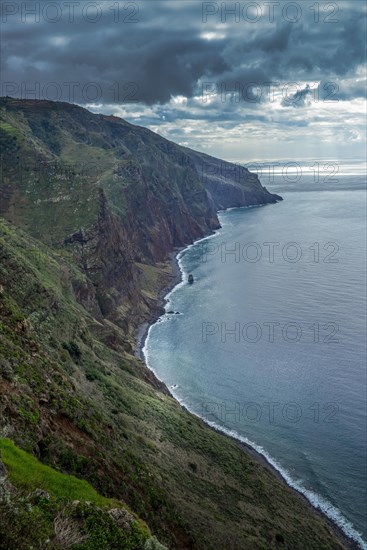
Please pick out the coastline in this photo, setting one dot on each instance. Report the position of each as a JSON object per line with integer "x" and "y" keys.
{"x": 141, "y": 333}
{"x": 140, "y": 337}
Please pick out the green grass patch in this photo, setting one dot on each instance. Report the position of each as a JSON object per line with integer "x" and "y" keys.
{"x": 9, "y": 129}
{"x": 26, "y": 472}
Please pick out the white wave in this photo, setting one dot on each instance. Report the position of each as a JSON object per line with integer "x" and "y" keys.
{"x": 315, "y": 499}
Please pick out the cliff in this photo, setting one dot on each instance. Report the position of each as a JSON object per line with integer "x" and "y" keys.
{"x": 91, "y": 208}
{"x": 113, "y": 194}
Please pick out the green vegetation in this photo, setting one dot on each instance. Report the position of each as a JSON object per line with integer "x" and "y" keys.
{"x": 49, "y": 509}
{"x": 27, "y": 473}
{"x": 82, "y": 262}
{"x": 95, "y": 412}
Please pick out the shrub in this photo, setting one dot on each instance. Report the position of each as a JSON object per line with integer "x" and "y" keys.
{"x": 73, "y": 348}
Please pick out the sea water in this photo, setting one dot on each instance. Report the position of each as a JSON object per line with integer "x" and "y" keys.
{"x": 270, "y": 341}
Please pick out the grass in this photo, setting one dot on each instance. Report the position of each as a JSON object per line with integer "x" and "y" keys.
{"x": 73, "y": 515}
{"x": 69, "y": 385}
{"x": 9, "y": 129}
{"x": 26, "y": 472}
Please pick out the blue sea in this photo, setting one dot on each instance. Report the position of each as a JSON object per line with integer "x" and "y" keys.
{"x": 270, "y": 341}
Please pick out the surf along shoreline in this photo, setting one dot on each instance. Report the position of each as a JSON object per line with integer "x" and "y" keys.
{"x": 141, "y": 335}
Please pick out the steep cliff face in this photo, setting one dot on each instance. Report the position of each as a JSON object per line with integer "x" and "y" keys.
{"x": 107, "y": 257}
{"x": 112, "y": 194}
{"x": 71, "y": 396}
{"x": 93, "y": 206}
{"x": 230, "y": 185}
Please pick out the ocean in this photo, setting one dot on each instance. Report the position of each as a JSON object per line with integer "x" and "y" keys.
{"x": 269, "y": 343}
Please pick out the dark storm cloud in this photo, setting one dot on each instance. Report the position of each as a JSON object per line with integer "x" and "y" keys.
{"x": 299, "y": 98}
{"x": 327, "y": 92}
{"x": 168, "y": 50}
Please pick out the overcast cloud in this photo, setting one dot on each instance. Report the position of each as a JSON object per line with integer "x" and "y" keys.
{"x": 297, "y": 75}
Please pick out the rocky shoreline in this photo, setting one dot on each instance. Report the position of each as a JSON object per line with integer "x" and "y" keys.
{"x": 140, "y": 338}
{"x": 96, "y": 410}
{"x": 143, "y": 329}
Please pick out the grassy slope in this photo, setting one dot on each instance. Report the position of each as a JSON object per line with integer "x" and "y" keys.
{"x": 70, "y": 393}
{"x": 27, "y": 473}
{"x": 56, "y": 155}
{"x": 49, "y": 183}
{"x": 88, "y": 410}
{"x": 42, "y": 508}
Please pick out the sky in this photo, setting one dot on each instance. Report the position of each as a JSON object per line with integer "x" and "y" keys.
{"x": 242, "y": 81}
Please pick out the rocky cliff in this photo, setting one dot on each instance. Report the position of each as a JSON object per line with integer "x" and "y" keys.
{"x": 90, "y": 208}
{"x": 73, "y": 397}
{"x": 112, "y": 194}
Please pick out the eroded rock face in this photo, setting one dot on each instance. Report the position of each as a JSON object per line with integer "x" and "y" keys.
{"x": 106, "y": 254}
{"x": 113, "y": 194}
{"x": 230, "y": 185}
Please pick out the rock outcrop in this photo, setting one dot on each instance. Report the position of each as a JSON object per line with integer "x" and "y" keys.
{"x": 112, "y": 194}
{"x": 93, "y": 206}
